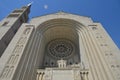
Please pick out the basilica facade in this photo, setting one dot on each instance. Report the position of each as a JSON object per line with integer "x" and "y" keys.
{"x": 56, "y": 46}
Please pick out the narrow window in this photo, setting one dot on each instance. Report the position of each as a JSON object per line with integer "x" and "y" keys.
{"x": 5, "y": 23}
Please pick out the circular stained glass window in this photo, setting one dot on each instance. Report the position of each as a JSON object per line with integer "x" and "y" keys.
{"x": 60, "y": 48}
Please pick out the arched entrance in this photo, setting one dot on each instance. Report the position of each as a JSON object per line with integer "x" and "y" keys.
{"x": 59, "y": 41}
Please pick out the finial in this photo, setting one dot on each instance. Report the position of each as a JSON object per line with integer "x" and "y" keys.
{"x": 30, "y": 3}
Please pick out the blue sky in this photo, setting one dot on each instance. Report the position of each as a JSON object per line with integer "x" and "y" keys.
{"x": 107, "y": 12}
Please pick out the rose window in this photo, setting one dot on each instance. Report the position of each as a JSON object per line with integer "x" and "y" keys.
{"x": 60, "y": 48}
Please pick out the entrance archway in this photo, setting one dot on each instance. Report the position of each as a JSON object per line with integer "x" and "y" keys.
{"x": 59, "y": 41}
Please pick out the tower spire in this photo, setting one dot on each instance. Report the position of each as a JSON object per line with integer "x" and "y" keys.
{"x": 30, "y": 4}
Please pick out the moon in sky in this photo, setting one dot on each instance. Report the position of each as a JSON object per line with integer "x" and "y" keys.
{"x": 45, "y": 6}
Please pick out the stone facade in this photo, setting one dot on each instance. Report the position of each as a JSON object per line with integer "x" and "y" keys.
{"x": 57, "y": 46}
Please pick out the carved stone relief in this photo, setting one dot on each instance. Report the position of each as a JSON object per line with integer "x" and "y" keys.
{"x": 18, "y": 49}
{"x": 48, "y": 74}
{"x": 5, "y": 72}
{"x": 11, "y": 59}
{"x": 26, "y": 31}
{"x": 8, "y": 70}
{"x": 76, "y": 73}
{"x": 22, "y": 40}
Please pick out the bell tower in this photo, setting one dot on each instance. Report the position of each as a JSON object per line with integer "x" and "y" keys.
{"x": 10, "y": 25}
